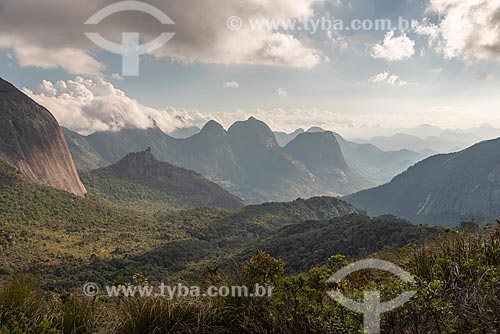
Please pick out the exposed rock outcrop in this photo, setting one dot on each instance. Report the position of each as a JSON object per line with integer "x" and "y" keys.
{"x": 32, "y": 142}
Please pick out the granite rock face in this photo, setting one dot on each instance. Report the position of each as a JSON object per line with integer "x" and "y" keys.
{"x": 32, "y": 142}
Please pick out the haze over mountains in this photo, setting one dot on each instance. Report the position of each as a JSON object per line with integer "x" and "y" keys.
{"x": 466, "y": 183}
{"x": 246, "y": 159}
{"x": 428, "y": 137}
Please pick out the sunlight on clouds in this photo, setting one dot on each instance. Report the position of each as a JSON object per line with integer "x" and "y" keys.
{"x": 470, "y": 28}
{"x": 90, "y": 105}
{"x": 394, "y": 48}
{"x": 72, "y": 60}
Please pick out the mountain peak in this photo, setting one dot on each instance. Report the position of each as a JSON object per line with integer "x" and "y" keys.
{"x": 187, "y": 186}
{"x": 317, "y": 150}
{"x": 212, "y": 127}
{"x": 315, "y": 129}
{"x": 253, "y": 132}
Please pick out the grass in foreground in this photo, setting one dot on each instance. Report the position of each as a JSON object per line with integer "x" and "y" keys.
{"x": 457, "y": 282}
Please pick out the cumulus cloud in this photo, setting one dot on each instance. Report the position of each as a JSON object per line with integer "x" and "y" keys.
{"x": 72, "y": 60}
{"x": 394, "y": 48}
{"x": 281, "y": 92}
{"x": 56, "y": 29}
{"x": 90, "y": 105}
{"x": 470, "y": 29}
{"x": 387, "y": 78}
{"x": 231, "y": 84}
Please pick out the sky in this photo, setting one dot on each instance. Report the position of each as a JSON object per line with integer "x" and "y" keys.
{"x": 291, "y": 64}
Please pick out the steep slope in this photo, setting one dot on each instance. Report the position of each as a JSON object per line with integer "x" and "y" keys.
{"x": 456, "y": 184}
{"x": 140, "y": 177}
{"x": 183, "y": 133}
{"x": 272, "y": 173}
{"x": 366, "y": 159}
{"x": 320, "y": 152}
{"x": 113, "y": 146}
{"x": 32, "y": 142}
{"x": 210, "y": 154}
{"x": 369, "y": 160}
{"x": 84, "y": 155}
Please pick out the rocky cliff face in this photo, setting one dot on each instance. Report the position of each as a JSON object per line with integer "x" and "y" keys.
{"x": 32, "y": 142}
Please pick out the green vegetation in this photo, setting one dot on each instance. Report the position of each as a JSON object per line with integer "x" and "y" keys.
{"x": 64, "y": 240}
{"x": 456, "y": 281}
{"x": 140, "y": 181}
{"x": 104, "y": 185}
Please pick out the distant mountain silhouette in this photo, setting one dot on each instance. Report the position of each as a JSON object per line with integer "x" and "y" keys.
{"x": 368, "y": 160}
{"x": 183, "y": 133}
{"x": 284, "y": 138}
{"x": 403, "y": 141}
{"x": 149, "y": 179}
{"x": 320, "y": 152}
{"x": 246, "y": 160}
{"x": 449, "y": 185}
{"x": 32, "y": 142}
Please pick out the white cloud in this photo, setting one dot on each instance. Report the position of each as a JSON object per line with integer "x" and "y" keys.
{"x": 281, "y": 92}
{"x": 201, "y": 32}
{"x": 117, "y": 76}
{"x": 394, "y": 48}
{"x": 231, "y": 84}
{"x": 470, "y": 29}
{"x": 72, "y": 60}
{"x": 388, "y": 78}
{"x": 384, "y": 77}
{"x": 89, "y": 105}
{"x": 427, "y": 29}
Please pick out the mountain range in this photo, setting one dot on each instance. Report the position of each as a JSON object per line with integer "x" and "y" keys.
{"x": 428, "y": 137}
{"x": 246, "y": 159}
{"x": 365, "y": 158}
{"x": 446, "y": 186}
